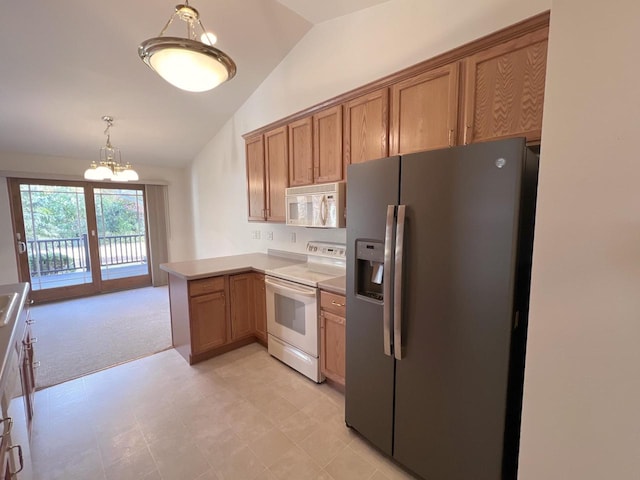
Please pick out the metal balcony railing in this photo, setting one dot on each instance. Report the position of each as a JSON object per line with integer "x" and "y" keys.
{"x": 64, "y": 255}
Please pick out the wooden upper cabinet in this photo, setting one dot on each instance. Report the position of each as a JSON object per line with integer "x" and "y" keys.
{"x": 366, "y": 127}
{"x": 424, "y": 111}
{"x": 301, "y": 152}
{"x": 276, "y": 159}
{"x": 255, "y": 177}
{"x": 327, "y": 145}
{"x": 504, "y": 90}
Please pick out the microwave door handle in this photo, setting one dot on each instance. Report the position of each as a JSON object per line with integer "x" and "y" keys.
{"x": 323, "y": 210}
{"x": 387, "y": 279}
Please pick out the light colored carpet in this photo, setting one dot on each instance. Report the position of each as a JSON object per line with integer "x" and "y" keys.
{"x": 77, "y": 337}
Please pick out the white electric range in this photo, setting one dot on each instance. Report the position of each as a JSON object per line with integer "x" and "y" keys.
{"x": 293, "y": 306}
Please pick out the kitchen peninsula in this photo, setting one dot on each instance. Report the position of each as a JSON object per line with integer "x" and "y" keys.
{"x": 218, "y": 304}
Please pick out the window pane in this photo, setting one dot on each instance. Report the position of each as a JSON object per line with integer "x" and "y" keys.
{"x": 55, "y": 224}
{"x": 121, "y": 232}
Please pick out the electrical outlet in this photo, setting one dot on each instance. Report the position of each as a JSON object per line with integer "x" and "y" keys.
{"x": 293, "y": 237}
{"x": 269, "y": 235}
{"x": 255, "y": 234}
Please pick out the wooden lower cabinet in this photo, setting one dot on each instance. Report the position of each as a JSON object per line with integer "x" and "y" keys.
{"x": 242, "y": 305}
{"x": 214, "y": 315}
{"x": 208, "y": 321}
{"x": 260, "y": 305}
{"x": 333, "y": 336}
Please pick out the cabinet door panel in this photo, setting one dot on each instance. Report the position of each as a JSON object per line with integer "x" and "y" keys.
{"x": 208, "y": 322}
{"x": 333, "y": 344}
{"x": 504, "y": 90}
{"x": 242, "y": 317}
{"x": 327, "y": 155}
{"x": 260, "y": 305}
{"x": 255, "y": 177}
{"x": 301, "y": 152}
{"x": 424, "y": 111}
{"x": 277, "y": 175}
{"x": 366, "y": 124}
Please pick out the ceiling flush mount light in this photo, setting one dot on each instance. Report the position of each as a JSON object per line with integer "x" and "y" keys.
{"x": 110, "y": 166}
{"x": 191, "y": 63}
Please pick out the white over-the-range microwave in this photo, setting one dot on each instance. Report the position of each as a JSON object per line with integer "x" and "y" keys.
{"x": 320, "y": 206}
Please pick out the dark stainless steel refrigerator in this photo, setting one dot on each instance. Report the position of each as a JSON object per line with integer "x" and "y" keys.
{"x": 438, "y": 272}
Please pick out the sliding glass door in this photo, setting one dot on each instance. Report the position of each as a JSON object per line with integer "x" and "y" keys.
{"x": 78, "y": 238}
{"x": 122, "y": 234}
{"x": 55, "y": 236}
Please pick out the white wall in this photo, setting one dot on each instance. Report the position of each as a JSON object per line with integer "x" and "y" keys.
{"x": 334, "y": 57}
{"x": 581, "y": 417}
{"x": 11, "y": 164}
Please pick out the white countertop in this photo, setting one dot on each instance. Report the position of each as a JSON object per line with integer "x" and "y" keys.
{"x": 210, "y": 267}
{"x": 334, "y": 285}
{"x": 8, "y": 331}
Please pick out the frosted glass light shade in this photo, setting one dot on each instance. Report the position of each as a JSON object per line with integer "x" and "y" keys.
{"x": 103, "y": 173}
{"x": 91, "y": 174}
{"x": 187, "y": 64}
{"x": 128, "y": 175}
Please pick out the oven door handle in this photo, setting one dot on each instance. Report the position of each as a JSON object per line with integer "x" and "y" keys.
{"x": 290, "y": 287}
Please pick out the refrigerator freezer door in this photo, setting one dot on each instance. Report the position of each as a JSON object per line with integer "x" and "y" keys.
{"x": 462, "y": 207}
{"x": 369, "y": 378}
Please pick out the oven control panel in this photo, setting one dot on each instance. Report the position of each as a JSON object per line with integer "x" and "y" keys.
{"x": 327, "y": 249}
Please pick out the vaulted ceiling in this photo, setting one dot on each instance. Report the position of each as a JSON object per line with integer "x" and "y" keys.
{"x": 64, "y": 64}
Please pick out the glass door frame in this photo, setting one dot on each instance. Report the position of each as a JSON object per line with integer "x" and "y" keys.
{"x": 97, "y": 285}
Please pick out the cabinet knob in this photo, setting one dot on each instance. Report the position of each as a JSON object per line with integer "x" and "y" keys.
{"x": 333, "y": 302}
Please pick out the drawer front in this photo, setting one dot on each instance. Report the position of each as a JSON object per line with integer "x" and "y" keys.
{"x": 205, "y": 285}
{"x": 333, "y": 303}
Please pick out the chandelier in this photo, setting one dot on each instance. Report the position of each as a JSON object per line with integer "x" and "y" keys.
{"x": 188, "y": 63}
{"x": 110, "y": 166}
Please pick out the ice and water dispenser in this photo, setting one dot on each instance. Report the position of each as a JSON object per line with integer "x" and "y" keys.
{"x": 369, "y": 269}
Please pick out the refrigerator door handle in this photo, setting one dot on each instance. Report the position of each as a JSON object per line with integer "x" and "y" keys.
{"x": 398, "y": 351}
{"x": 387, "y": 278}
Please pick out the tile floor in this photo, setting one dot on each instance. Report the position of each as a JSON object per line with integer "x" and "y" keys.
{"x": 239, "y": 416}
